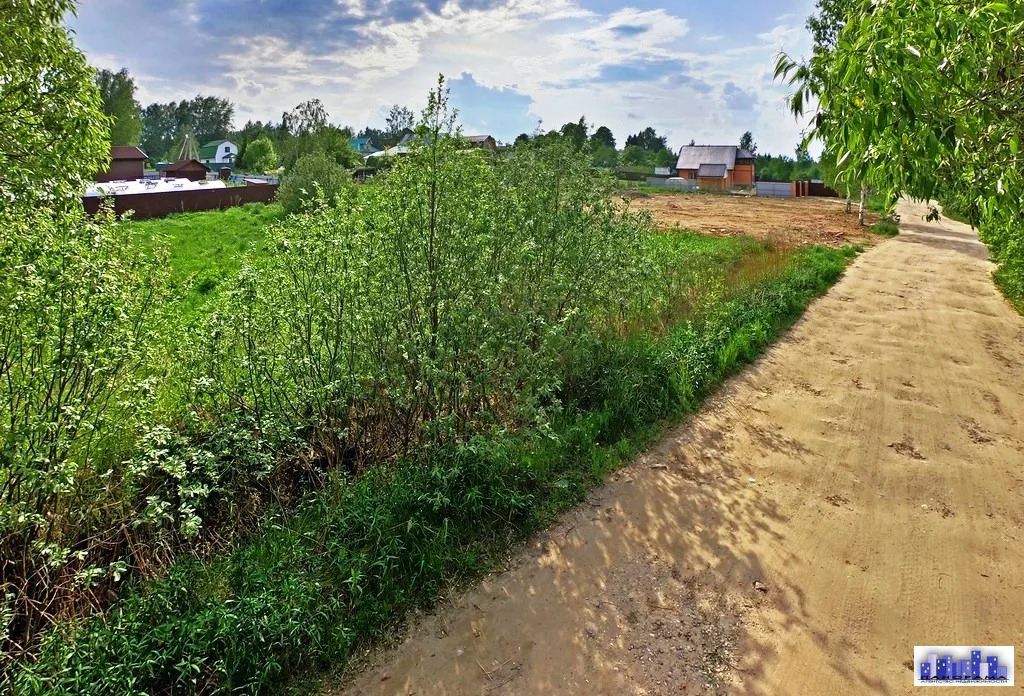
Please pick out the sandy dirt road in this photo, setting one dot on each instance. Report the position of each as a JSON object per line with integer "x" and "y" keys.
{"x": 858, "y": 491}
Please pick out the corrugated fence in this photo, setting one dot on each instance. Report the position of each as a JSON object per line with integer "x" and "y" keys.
{"x": 154, "y": 205}
{"x": 775, "y": 189}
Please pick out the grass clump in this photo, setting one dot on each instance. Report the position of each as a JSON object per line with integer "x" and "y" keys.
{"x": 886, "y": 228}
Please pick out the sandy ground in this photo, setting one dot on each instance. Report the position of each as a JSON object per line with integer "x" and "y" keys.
{"x": 793, "y": 221}
{"x": 858, "y": 491}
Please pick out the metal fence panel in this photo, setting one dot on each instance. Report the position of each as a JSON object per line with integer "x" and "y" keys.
{"x": 775, "y": 189}
{"x": 674, "y": 184}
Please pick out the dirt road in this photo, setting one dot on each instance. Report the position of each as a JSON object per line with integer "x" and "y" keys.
{"x": 858, "y": 491}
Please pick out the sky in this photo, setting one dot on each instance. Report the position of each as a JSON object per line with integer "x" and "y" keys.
{"x": 692, "y": 69}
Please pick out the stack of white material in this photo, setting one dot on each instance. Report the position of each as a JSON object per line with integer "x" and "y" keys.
{"x": 132, "y": 186}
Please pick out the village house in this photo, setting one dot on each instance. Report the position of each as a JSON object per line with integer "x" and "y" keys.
{"x": 717, "y": 167}
{"x": 218, "y": 153}
{"x": 363, "y": 146}
{"x": 126, "y": 162}
{"x": 484, "y": 142}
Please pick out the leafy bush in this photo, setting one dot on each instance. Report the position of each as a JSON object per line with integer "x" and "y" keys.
{"x": 75, "y": 335}
{"x": 314, "y": 175}
{"x": 260, "y": 155}
{"x": 360, "y": 553}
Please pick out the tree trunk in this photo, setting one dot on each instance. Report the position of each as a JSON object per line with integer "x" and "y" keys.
{"x": 849, "y": 204}
{"x": 860, "y": 213}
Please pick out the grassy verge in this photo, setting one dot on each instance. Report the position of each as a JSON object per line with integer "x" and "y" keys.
{"x": 346, "y": 566}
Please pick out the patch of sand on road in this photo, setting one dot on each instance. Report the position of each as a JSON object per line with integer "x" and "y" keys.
{"x": 858, "y": 491}
{"x": 791, "y": 220}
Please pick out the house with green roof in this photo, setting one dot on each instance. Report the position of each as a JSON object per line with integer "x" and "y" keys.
{"x": 362, "y": 145}
{"x": 218, "y": 153}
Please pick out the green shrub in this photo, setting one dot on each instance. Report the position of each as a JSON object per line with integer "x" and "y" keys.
{"x": 360, "y": 553}
{"x": 314, "y": 176}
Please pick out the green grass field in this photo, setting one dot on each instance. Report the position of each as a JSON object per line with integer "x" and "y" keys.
{"x": 206, "y": 249}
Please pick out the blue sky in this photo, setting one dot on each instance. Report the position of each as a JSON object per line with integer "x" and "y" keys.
{"x": 690, "y": 68}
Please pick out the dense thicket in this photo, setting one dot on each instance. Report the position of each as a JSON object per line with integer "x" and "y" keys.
{"x": 926, "y": 98}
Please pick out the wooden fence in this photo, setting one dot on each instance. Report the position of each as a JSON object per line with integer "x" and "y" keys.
{"x": 154, "y": 205}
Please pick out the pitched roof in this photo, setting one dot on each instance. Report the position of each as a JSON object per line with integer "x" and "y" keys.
{"x": 126, "y": 152}
{"x": 185, "y": 164}
{"x": 693, "y": 156}
{"x": 712, "y": 171}
{"x": 478, "y": 138}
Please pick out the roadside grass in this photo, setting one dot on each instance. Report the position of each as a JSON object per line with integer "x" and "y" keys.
{"x": 206, "y": 249}
{"x": 1010, "y": 281}
{"x": 343, "y": 569}
{"x": 886, "y": 228}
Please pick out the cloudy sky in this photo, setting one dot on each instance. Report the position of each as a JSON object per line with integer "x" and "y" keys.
{"x": 690, "y": 68}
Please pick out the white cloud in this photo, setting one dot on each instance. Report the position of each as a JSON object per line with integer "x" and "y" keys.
{"x": 566, "y": 60}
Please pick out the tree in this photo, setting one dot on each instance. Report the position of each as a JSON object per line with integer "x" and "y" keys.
{"x": 159, "y": 129}
{"x": 259, "y": 155}
{"x": 308, "y": 118}
{"x": 52, "y": 133}
{"x": 576, "y": 133}
{"x": 400, "y": 121}
{"x": 936, "y": 112}
{"x": 75, "y": 292}
{"x": 648, "y": 139}
{"x": 164, "y": 125}
{"x": 603, "y": 136}
{"x": 604, "y": 156}
{"x": 692, "y": 142}
{"x": 635, "y": 156}
{"x": 747, "y": 143}
{"x": 208, "y": 118}
{"x": 117, "y": 90}
{"x": 522, "y": 138}
{"x": 315, "y": 174}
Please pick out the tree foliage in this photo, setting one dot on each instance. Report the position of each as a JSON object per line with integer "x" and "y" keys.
{"x": 314, "y": 176}
{"x": 164, "y": 125}
{"x": 52, "y": 130}
{"x": 259, "y": 155}
{"x": 117, "y": 90}
{"x": 926, "y": 98}
{"x": 747, "y": 143}
{"x": 603, "y": 136}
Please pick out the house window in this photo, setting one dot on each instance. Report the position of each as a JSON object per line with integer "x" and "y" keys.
{"x": 227, "y": 149}
{"x": 693, "y": 175}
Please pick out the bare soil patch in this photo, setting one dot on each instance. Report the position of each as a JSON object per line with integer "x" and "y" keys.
{"x": 797, "y": 221}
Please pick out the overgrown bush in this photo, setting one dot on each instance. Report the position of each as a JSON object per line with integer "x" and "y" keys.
{"x": 314, "y": 176}
{"x": 361, "y": 552}
{"x": 75, "y": 333}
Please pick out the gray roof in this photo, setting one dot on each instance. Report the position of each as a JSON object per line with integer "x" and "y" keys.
{"x": 693, "y": 156}
{"x": 711, "y": 171}
{"x": 477, "y": 138}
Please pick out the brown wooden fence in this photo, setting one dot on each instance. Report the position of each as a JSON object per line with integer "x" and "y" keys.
{"x": 154, "y": 205}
